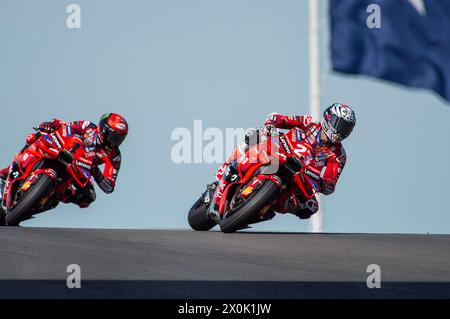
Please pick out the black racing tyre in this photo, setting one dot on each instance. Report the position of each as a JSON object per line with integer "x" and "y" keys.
{"x": 2, "y": 217}
{"x": 248, "y": 212}
{"x": 30, "y": 199}
{"x": 198, "y": 220}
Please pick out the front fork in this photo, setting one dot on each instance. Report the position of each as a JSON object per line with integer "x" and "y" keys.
{"x": 210, "y": 198}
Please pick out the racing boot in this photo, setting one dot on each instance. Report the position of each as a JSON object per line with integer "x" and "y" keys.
{"x": 307, "y": 209}
{"x": 298, "y": 206}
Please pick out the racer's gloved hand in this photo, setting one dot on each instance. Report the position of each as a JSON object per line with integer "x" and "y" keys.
{"x": 271, "y": 119}
{"x": 270, "y": 130}
{"x": 50, "y": 126}
{"x": 46, "y": 127}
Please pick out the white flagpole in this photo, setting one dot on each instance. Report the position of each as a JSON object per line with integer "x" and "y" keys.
{"x": 316, "y": 223}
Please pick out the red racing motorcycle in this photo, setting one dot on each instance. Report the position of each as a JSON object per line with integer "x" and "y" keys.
{"x": 47, "y": 172}
{"x": 269, "y": 173}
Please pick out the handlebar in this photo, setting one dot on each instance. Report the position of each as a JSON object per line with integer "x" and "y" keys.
{"x": 271, "y": 130}
{"x": 38, "y": 129}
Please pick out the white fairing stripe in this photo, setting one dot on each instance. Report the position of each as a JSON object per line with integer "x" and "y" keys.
{"x": 322, "y": 173}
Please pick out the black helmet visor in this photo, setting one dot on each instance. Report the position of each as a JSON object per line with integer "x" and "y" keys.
{"x": 114, "y": 139}
{"x": 343, "y": 127}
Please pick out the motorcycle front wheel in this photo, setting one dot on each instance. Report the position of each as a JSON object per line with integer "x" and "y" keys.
{"x": 23, "y": 208}
{"x": 246, "y": 213}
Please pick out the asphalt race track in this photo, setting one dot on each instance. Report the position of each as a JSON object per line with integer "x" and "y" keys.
{"x": 188, "y": 264}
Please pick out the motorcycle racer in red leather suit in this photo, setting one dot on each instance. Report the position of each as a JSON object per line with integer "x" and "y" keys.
{"x": 101, "y": 140}
{"x": 325, "y": 166}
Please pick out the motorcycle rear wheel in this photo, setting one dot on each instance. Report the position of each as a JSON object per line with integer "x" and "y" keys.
{"x": 248, "y": 211}
{"x": 29, "y": 200}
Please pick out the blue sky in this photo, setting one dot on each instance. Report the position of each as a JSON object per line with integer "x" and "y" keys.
{"x": 164, "y": 64}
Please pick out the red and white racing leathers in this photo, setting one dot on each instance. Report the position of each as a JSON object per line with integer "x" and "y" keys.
{"x": 326, "y": 163}
{"x": 110, "y": 158}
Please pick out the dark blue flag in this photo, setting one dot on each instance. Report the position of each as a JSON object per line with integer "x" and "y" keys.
{"x": 409, "y": 44}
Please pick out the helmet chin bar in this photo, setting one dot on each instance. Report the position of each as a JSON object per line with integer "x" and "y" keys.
{"x": 336, "y": 138}
{"x": 332, "y": 135}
